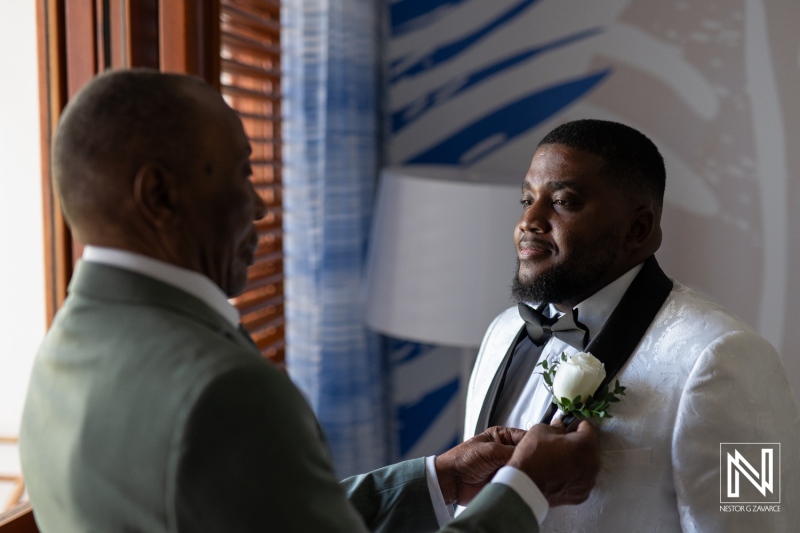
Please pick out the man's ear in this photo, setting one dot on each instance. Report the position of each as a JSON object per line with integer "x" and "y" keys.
{"x": 156, "y": 195}
{"x": 641, "y": 228}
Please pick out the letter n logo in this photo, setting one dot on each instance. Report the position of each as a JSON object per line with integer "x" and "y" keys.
{"x": 748, "y": 472}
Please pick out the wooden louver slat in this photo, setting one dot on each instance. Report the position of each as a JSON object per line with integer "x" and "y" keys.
{"x": 262, "y": 7}
{"x": 248, "y": 21}
{"x": 235, "y": 67}
{"x": 250, "y": 83}
{"x": 252, "y": 46}
{"x": 249, "y": 93}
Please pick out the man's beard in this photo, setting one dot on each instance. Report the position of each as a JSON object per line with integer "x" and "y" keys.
{"x": 569, "y": 280}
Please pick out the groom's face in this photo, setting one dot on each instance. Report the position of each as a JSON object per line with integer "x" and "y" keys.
{"x": 571, "y": 230}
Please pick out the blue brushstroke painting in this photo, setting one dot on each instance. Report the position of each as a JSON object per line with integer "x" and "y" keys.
{"x": 414, "y": 420}
{"x": 408, "y": 114}
{"x": 506, "y": 123}
{"x": 453, "y": 49}
{"x": 410, "y": 15}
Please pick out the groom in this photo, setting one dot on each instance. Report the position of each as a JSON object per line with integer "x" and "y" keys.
{"x": 696, "y": 375}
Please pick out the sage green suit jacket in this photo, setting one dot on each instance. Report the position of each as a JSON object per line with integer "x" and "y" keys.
{"x": 147, "y": 411}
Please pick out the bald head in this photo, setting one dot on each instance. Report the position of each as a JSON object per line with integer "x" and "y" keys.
{"x": 120, "y": 121}
{"x": 159, "y": 165}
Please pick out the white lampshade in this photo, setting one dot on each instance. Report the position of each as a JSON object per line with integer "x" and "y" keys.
{"x": 441, "y": 254}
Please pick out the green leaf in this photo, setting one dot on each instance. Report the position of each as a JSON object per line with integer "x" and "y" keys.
{"x": 548, "y": 379}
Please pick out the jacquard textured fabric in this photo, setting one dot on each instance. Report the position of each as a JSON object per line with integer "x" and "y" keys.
{"x": 699, "y": 377}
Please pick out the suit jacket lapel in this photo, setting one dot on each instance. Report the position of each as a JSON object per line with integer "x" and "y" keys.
{"x": 630, "y": 320}
{"x": 496, "y": 386}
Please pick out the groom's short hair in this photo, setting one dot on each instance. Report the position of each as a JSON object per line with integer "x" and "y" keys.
{"x": 630, "y": 158}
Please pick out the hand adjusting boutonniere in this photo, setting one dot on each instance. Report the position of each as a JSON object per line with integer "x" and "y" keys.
{"x": 573, "y": 382}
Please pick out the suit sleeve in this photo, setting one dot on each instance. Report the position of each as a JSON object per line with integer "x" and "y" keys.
{"x": 251, "y": 458}
{"x": 496, "y": 508}
{"x": 737, "y": 392}
{"x": 394, "y": 499}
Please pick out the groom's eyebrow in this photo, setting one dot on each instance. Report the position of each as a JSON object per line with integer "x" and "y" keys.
{"x": 554, "y": 185}
{"x": 561, "y": 185}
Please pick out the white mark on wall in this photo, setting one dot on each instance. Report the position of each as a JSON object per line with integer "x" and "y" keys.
{"x": 771, "y": 167}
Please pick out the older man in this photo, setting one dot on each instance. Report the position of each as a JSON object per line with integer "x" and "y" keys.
{"x": 149, "y": 409}
{"x": 696, "y": 375}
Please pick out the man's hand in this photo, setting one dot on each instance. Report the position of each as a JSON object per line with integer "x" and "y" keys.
{"x": 564, "y": 465}
{"x": 465, "y": 469}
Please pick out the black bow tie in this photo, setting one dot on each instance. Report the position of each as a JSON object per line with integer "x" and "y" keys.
{"x": 567, "y": 328}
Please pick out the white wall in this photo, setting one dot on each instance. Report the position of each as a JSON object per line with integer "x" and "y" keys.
{"x": 22, "y": 314}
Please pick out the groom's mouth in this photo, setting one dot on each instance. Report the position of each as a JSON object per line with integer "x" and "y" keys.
{"x": 533, "y": 249}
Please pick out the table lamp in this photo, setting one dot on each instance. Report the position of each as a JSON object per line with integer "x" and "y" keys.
{"x": 441, "y": 253}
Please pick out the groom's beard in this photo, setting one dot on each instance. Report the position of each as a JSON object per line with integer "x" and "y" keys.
{"x": 573, "y": 277}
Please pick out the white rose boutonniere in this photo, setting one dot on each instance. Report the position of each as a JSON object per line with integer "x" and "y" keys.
{"x": 573, "y": 383}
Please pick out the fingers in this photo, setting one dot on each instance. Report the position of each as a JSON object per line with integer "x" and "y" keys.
{"x": 504, "y": 435}
{"x": 563, "y": 464}
{"x": 515, "y": 435}
{"x": 572, "y": 426}
{"x": 586, "y": 428}
{"x": 556, "y": 427}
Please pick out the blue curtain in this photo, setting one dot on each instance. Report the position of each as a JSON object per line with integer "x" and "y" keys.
{"x": 331, "y": 141}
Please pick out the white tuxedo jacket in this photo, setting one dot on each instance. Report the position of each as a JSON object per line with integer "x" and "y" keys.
{"x": 699, "y": 377}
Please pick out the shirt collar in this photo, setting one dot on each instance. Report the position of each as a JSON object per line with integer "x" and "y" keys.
{"x": 189, "y": 281}
{"x": 595, "y": 310}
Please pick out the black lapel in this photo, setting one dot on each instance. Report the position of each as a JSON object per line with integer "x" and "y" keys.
{"x": 496, "y": 386}
{"x": 629, "y": 321}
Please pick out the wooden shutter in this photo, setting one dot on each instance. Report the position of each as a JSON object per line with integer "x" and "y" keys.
{"x": 250, "y": 83}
